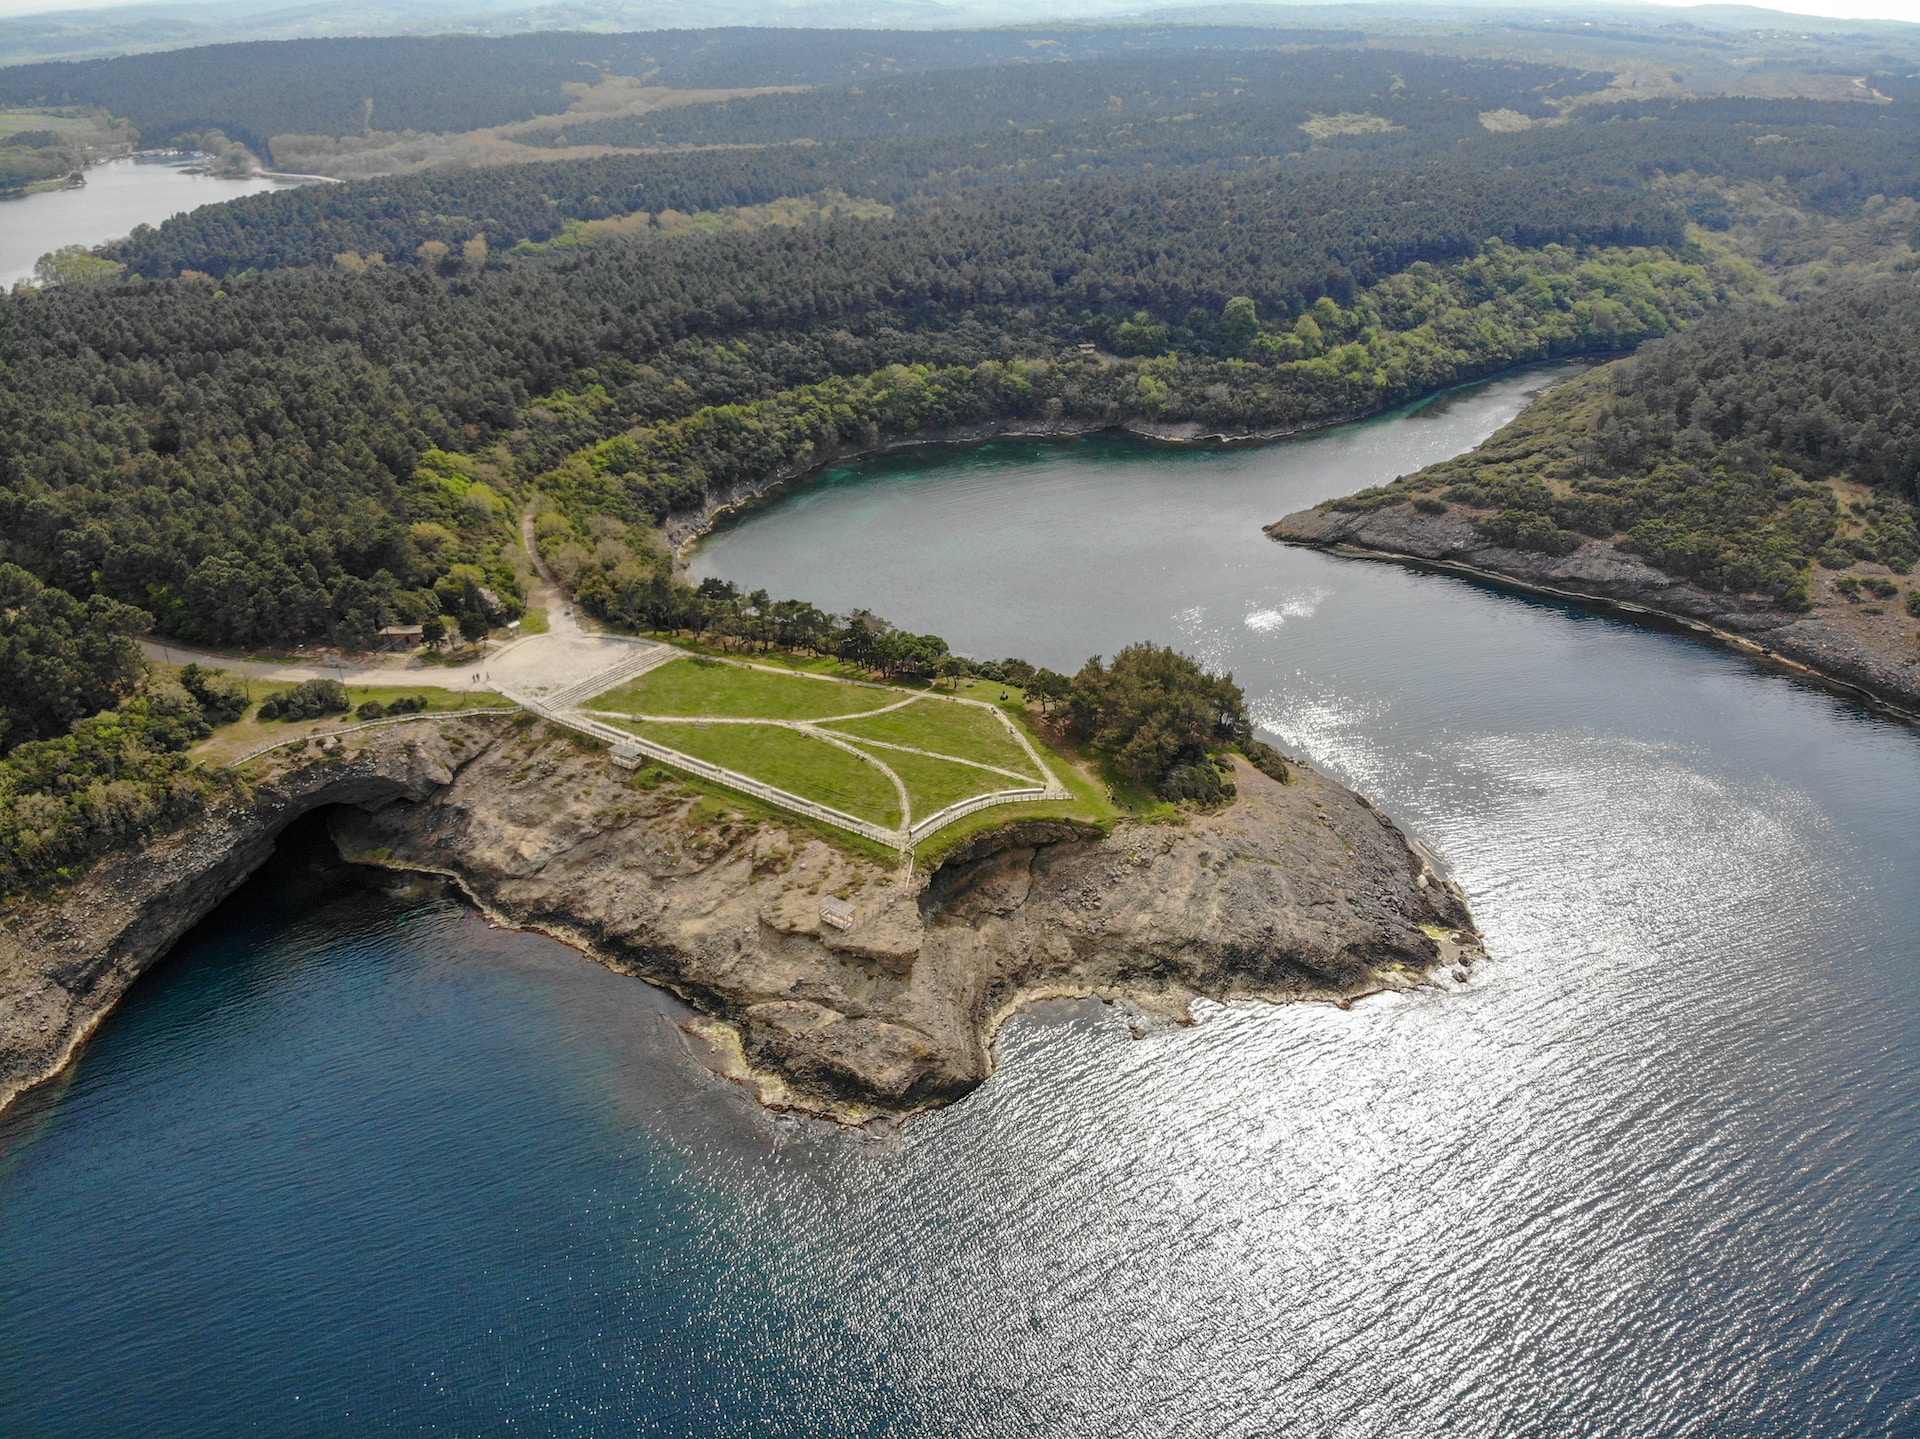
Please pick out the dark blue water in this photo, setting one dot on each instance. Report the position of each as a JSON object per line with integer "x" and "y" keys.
{"x": 354, "y": 1163}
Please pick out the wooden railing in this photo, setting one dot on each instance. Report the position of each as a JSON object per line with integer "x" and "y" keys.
{"x": 732, "y": 779}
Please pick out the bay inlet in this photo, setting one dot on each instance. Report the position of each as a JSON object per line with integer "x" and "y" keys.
{"x": 353, "y": 1161}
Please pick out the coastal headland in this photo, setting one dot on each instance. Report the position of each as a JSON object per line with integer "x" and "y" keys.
{"x": 883, "y": 1002}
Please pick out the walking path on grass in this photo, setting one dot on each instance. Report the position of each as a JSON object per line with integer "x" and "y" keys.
{"x": 558, "y": 673}
{"x": 1038, "y": 784}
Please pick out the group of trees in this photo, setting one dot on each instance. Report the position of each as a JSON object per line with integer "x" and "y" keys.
{"x": 1712, "y": 453}
{"x": 308, "y": 415}
{"x": 61, "y": 658}
{"x": 111, "y": 779}
{"x": 1162, "y": 718}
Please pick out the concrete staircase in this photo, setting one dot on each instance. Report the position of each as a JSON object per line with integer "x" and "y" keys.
{"x": 579, "y": 692}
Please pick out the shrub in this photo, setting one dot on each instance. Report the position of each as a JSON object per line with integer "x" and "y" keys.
{"x": 1519, "y": 530}
{"x": 1268, "y": 760}
{"x": 1428, "y": 505}
{"x": 222, "y": 697}
{"x": 371, "y": 710}
{"x": 1913, "y": 603}
{"x": 307, "y": 700}
{"x": 1197, "y": 783}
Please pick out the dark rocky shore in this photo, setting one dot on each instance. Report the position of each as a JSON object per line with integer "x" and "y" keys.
{"x": 1830, "y": 642}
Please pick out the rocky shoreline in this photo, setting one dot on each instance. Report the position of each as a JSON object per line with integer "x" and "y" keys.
{"x": 1829, "y": 643}
{"x": 1295, "y": 891}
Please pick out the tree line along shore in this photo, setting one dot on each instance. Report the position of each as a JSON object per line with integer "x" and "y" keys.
{"x": 309, "y": 416}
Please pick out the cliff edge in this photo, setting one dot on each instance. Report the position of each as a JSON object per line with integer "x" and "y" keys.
{"x": 1300, "y": 890}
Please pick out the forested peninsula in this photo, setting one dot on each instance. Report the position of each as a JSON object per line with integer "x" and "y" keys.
{"x": 584, "y": 307}
{"x": 1755, "y": 475}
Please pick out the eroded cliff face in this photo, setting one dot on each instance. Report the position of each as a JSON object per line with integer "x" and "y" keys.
{"x": 1297, "y": 890}
{"x": 1294, "y": 890}
{"x": 1831, "y": 641}
{"x": 65, "y": 963}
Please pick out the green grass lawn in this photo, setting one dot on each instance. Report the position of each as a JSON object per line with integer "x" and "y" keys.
{"x": 934, "y": 784}
{"x": 696, "y": 686}
{"x": 962, "y": 730}
{"x": 809, "y": 767}
{"x": 788, "y": 760}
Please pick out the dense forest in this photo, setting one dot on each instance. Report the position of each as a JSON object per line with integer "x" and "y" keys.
{"x": 445, "y": 83}
{"x": 1270, "y": 92}
{"x": 298, "y": 454}
{"x": 1826, "y": 166}
{"x": 305, "y": 415}
{"x": 1713, "y": 453}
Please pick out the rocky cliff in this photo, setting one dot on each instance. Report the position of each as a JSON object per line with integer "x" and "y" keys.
{"x": 1296, "y": 890}
{"x": 65, "y": 963}
{"x": 1868, "y": 654}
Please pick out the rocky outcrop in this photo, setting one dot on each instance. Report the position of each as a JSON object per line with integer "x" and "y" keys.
{"x": 1293, "y": 891}
{"x": 1830, "y": 642}
{"x": 65, "y": 963}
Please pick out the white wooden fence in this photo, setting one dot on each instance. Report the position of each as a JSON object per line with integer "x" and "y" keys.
{"x": 901, "y": 839}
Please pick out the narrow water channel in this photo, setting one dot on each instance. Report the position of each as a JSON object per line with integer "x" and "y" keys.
{"x": 354, "y": 1162}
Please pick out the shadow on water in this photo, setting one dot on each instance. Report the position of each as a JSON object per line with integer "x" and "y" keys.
{"x": 299, "y": 880}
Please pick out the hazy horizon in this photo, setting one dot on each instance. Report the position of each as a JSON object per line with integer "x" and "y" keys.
{"x": 898, "y": 13}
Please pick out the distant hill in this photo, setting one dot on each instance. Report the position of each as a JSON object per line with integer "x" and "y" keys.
{"x": 256, "y": 90}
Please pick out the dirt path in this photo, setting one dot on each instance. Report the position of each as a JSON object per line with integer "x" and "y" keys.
{"x": 403, "y": 670}
{"x": 563, "y": 618}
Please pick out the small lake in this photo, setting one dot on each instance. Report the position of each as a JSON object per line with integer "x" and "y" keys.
{"x": 118, "y": 195}
{"x": 352, "y": 1162}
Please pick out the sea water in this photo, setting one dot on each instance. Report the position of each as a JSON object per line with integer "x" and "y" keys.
{"x": 353, "y": 1162}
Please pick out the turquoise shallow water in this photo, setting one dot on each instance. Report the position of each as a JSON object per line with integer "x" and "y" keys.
{"x": 353, "y": 1162}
